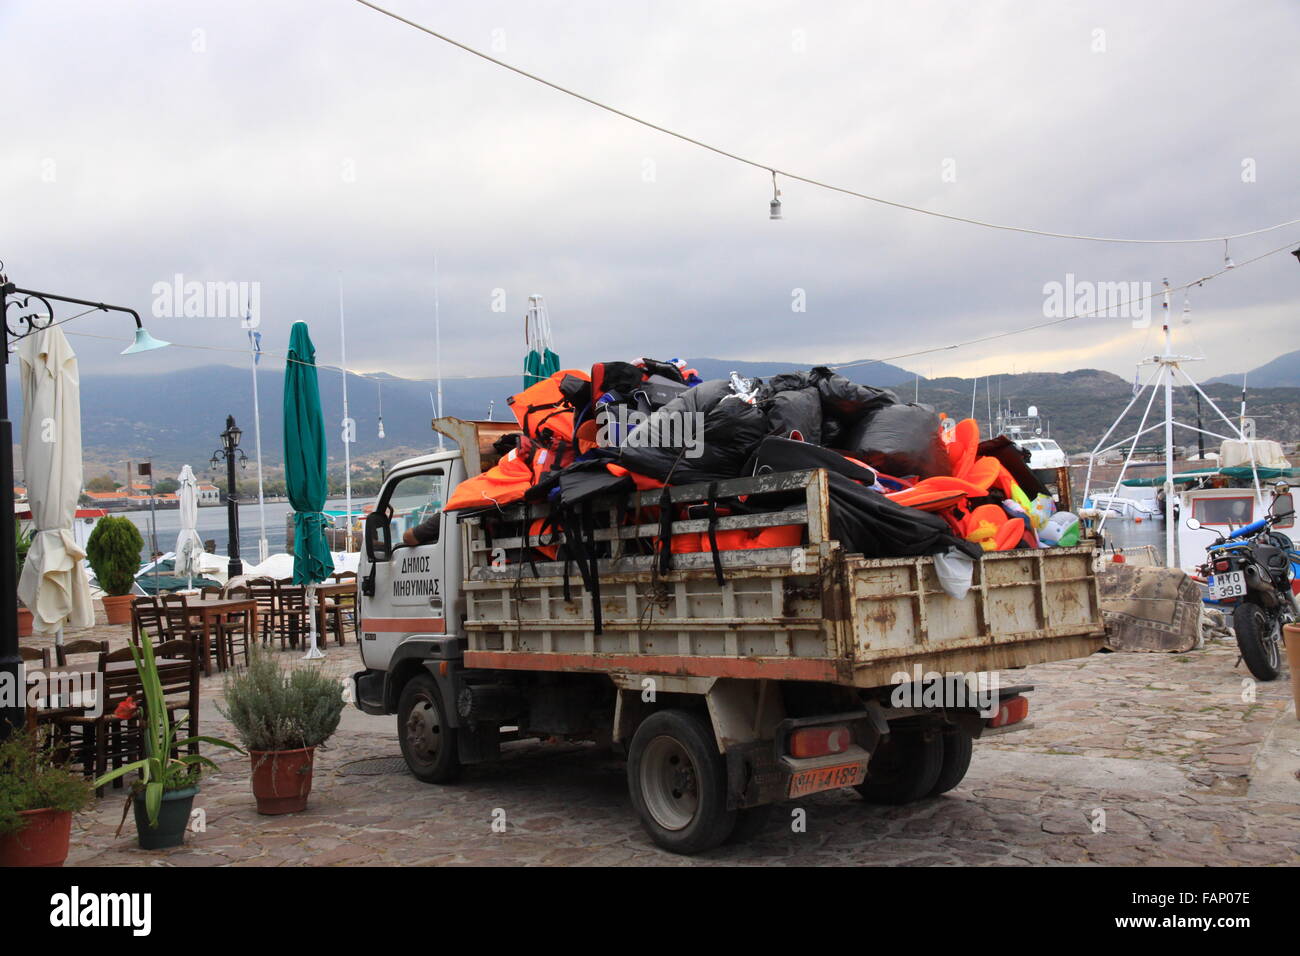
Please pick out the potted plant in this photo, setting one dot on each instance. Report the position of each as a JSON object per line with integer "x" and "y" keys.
{"x": 113, "y": 551}
{"x": 281, "y": 717}
{"x": 169, "y": 780}
{"x": 37, "y": 800}
{"x": 23, "y": 541}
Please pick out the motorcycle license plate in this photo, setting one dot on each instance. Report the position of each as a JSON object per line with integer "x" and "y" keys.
{"x": 1226, "y": 585}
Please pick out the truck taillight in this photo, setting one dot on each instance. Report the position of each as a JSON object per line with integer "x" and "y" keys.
{"x": 819, "y": 741}
{"x": 1012, "y": 711}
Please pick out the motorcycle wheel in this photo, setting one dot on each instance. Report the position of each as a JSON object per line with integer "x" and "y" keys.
{"x": 1258, "y": 634}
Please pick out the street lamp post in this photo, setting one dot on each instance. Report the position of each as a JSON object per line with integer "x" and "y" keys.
{"x": 230, "y": 452}
{"x": 31, "y": 312}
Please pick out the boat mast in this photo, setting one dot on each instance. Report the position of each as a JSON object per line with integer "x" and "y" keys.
{"x": 347, "y": 428}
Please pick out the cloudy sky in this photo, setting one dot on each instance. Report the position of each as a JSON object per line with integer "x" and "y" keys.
{"x": 294, "y": 143}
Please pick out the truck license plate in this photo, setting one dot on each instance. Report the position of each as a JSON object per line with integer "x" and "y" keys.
{"x": 827, "y": 778}
{"x": 1226, "y": 585}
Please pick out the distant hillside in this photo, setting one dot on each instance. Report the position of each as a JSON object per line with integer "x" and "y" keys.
{"x": 176, "y": 417}
{"x": 1282, "y": 372}
{"x": 1081, "y": 405}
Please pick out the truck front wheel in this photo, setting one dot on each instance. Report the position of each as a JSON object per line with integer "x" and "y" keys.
{"x": 428, "y": 740}
{"x": 905, "y": 766}
{"x": 678, "y": 782}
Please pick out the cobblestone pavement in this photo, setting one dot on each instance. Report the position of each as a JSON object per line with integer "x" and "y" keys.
{"x": 1128, "y": 759}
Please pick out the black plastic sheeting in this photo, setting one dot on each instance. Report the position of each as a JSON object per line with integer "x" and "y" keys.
{"x": 670, "y": 441}
{"x": 901, "y": 440}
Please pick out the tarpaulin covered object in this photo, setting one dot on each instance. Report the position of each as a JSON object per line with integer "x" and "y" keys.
{"x": 304, "y": 460}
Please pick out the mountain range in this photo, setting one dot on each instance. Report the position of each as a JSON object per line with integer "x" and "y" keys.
{"x": 1282, "y": 372}
{"x": 176, "y": 417}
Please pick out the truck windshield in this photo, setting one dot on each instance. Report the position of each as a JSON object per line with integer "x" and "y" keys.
{"x": 415, "y": 498}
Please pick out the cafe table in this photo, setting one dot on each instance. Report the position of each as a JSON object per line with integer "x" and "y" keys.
{"x": 210, "y": 609}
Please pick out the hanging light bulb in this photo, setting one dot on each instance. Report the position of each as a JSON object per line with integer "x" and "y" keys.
{"x": 776, "y": 199}
{"x": 381, "y": 426}
{"x": 1227, "y": 258}
{"x": 1187, "y": 309}
{"x": 379, "y": 387}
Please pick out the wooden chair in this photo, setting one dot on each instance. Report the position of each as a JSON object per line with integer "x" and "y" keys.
{"x": 292, "y": 613}
{"x": 181, "y": 626}
{"x": 41, "y": 654}
{"x": 85, "y": 646}
{"x": 264, "y": 592}
{"x": 235, "y": 629}
{"x": 178, "y": 672}
{"x": 106, "y": 741}
{"x": 147, "y": 620}
{"x": 340, "y": 614}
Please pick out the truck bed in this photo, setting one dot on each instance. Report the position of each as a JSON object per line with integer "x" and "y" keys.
{"x": 822, "y": 615}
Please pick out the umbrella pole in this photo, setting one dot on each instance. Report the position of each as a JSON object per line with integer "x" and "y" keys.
{"x": 313, "y": 652}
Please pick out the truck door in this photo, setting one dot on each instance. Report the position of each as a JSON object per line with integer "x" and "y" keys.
{"x": 403, "y": 586}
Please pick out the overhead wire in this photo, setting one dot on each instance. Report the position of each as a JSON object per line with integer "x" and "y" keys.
{"x": 796, "y": 177}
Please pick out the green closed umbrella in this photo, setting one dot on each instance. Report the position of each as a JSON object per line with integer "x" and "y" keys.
{"x": 304, "y": 470}
{"x": 540, "y": 360}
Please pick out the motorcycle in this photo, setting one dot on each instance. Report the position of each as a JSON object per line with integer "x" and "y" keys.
{"x": 1249, "y": 571}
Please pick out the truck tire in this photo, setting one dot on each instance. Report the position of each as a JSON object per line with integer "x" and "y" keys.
{"x": 1260, "y": 647}
{"x": 428, "y": 741}
{"x": 905, "y": 767}
{"x": 678, "y": 782}
{"x": 957, "y": 748}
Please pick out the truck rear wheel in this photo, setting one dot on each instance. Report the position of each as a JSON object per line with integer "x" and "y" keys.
{"x": 905, "y": 767}
{"x": 678, "y": 782}
{"x": 428, "y": 740}
{"x": 957, "y": 748}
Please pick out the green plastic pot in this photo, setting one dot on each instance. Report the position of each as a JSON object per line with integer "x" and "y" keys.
{"x": 173, "y": 818}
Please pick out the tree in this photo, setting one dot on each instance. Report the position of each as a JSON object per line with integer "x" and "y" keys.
{"x": 167, "y": 486}
{"x": 101, "y": 483}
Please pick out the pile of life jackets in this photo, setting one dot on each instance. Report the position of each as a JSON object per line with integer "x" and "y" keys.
{"x": 619, "y": 428}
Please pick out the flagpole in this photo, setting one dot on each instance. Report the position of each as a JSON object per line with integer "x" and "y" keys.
{"x": 347, "y": 424}
{"x": 254, "y": 351}
{"x": 437, "y": 345}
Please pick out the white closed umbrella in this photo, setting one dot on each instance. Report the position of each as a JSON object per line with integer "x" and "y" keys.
{"x": 53, "y": 584}
{"x": 188, "y": 543}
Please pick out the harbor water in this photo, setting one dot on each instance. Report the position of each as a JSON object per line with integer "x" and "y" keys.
{"x": 212, "y": 526}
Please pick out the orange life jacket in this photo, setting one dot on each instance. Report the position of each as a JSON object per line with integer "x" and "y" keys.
{"x": 503, "y": 483}
{"x": 542, "y": 410}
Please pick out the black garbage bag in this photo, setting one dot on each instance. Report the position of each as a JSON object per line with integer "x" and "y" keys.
{"x": 848, "y": 402}
{"x": 671, "y": 441}
{"x": 796, "y": 413}
{"x": 900, "y": 440}
{"x": 867, "y": 522}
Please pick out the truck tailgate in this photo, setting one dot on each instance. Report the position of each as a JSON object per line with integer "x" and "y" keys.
{"x": 1024, "y": 607}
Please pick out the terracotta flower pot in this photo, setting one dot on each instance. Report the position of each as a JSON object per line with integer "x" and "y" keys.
{"x": 117, "y": 608}
{"x": 282, "y": 779}
{"x": 173, "y": 818}
{"x": 43, "y": 842}
{"x": 24, "y": 622}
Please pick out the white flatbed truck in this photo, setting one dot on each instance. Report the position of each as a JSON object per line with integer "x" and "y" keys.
{"x": 783, "y": 680}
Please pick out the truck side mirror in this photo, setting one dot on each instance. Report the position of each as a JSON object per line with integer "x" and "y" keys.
{"x": 379, "y": 536}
